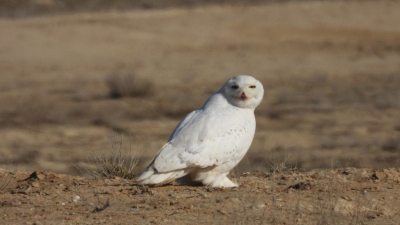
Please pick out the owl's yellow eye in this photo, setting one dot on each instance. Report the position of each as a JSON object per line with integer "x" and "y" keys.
{"x": 235, "y": 87}
{"x": 253, "y": 86}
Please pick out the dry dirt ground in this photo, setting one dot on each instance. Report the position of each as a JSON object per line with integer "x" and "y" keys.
{"x": 336, "y": 196}
{"x": 331, "y": 71}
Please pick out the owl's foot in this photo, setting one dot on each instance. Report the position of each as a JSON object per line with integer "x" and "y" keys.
{"x": 215, "y": 181}
{"x": 222, "y": 182}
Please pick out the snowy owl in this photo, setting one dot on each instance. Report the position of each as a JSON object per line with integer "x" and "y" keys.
{"x": 212, "y": 140}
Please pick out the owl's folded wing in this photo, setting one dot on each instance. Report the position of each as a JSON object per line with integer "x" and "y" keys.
{"x": 209, "y": 138}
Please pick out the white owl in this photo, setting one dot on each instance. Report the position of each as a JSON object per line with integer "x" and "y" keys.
{"x": 212, "y": 140}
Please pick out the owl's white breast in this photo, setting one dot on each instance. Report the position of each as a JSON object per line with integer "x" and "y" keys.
{"x": 239, "y": 136}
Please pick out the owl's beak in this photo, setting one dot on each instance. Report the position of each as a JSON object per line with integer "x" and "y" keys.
{"x": 243, "y": 96}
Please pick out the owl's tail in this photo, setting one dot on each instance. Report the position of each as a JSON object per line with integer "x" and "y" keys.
{"x": 152, "y": 177}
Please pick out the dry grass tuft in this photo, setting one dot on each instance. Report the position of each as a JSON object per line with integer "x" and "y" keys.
{"x": 119, "y": 162}
{"x": 279, "y": 165}
{"x": 128, "y": 85}
{"x": 6, "y": 177}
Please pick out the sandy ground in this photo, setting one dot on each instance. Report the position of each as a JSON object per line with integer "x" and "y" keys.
{"x": 340, "y": 196}
{"x": 331, "y": 71}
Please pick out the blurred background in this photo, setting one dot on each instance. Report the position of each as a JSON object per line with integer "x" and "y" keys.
{"x": 76, "y": 74}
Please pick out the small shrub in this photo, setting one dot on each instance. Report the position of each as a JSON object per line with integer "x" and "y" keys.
{"x": 120, "y": 161}
{"x": 279, "y": 165}
{"x": 128, "y": 85}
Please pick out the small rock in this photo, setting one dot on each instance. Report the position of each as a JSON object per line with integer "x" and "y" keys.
{"x": 35, "y": 184}
{"x": 301, "y": 186}
{"x": 171, "y": 195}
{"x": 222, "y": 211}
{"x": 259, "y": 206}
{"x": 36, "y": 175}
{"x": 378, "y": 175}
{"x": 203, "y": 195}
{"x": 315, "y": 176}
{"x": 364, "y": 174}
{"x": 41, "y": 176}
{"x": 346, "y": 172}
{"x": 76, "y": 198}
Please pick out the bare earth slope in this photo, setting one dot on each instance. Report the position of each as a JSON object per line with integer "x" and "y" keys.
{"x": 335, "y": 196}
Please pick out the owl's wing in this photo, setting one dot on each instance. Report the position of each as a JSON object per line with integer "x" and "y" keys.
{"x": 205, "y": 138}
{"x": 190, "y": 117}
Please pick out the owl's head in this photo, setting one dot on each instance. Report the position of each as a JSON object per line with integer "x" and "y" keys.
{"x": 243, "y": 91}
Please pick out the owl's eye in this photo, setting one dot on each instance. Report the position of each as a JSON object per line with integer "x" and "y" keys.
{"x": 235, "y": 86}
{"x": 253, "y": 86}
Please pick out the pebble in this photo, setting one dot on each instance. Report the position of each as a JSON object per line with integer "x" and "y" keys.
{"x": 76, "y": 198}
{"x": 203, "y": 195}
